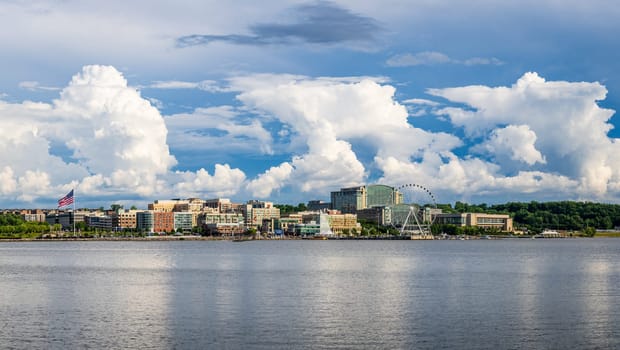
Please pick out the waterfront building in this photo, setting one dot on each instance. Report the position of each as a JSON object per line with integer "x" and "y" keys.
{"x": 332, "y": 222}
{"x": 310, "y": 229}
{"x": 430, "y": 214}
{"x": 378, "y": 214}
{"x": 65, "y": 218}
{"x": 125, "y": 219}
{"x": 268, "y": 225}
{"x": 502, "y": 222}
{"x": 218, "y": 223}
{"x": 145, "y": 221}
{"x": 310, "y": 224}
{"x": 183, "y": 221}
{"x": 352, "y": 199}
{"x": 349, "y": 200}
{"x": 191, "y": 205}
{"x": 220, "y": 218}
{"x": 195, "y": 206}
{"x": 343, "y": 224}
{"x": 99, "y": 221}
{"x": 224, "y": 229}
{"x": 287, "y": 224}
{"x": 256, "y": 211}
{"x": 163, "y": 221}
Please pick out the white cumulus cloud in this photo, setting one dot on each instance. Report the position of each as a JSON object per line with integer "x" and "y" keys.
{"x": 100, "y": 137}
{"x": 7, "y": 181}
{"x": 327, "y": 118}
{"x": 556, "y": 125}
{"x": 225, "y": 181}
{"x": 270, "y": 180}
{"x": 514, "y": 142}
{"x": 536, "y": 137}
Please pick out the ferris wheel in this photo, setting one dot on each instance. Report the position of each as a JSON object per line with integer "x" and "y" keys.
{"x": 412, "y": 213}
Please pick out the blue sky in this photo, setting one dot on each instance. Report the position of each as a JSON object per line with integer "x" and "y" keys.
{"x": 479, "y": 101}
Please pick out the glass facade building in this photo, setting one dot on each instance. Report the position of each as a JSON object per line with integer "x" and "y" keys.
{"x": 183, "y": 221}
{"x": 349, "y": 200}
{"x": 352, "y": 199}
{"x": 380, "y": 195}
{"x": 145, "y": 221}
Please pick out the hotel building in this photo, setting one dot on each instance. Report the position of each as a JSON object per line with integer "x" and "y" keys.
{"x": 352, "y": 199}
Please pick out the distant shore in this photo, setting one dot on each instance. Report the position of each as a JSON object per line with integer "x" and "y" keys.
{"x": 143, "y": 239}
{"x": 284, "y": 238}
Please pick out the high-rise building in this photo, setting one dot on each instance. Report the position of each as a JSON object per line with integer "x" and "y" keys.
{"x": 382, "y": 195}
{"x": 352, "y": 199}
{"x": 349, "y": 200}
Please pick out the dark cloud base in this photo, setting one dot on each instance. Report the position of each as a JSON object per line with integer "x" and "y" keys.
{"x": 321, "y": 22}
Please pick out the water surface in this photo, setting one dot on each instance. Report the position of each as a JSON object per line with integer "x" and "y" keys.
{"x": 497, "y": 294}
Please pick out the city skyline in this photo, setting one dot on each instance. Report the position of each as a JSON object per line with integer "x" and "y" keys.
{"x": 288, "y": 101}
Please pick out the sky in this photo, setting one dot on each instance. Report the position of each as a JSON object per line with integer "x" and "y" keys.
{"x": 480, "y": 101}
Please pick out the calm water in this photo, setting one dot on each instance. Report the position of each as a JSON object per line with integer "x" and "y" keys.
{"x": 508, "y": 294}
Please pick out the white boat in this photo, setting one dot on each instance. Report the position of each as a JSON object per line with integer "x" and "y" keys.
{"x": 550, "y": 234}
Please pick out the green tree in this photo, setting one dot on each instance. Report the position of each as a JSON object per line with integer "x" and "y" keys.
{"x": 589, "y": 231}
{"x": 81, "y": 226}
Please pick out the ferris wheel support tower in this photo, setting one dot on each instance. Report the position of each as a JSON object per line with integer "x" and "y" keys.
{"x": 416, "y": 198}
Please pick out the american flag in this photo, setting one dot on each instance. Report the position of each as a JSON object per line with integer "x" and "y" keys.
{"x": 66, "y": 200}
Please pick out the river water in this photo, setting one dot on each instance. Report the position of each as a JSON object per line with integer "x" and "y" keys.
{"x": 484, "y": 294}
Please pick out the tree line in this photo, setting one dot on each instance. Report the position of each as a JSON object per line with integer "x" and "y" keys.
{"x": 14, "y": 226}
{"x": 538, "y": 216}
{"x": 288, "y": 209}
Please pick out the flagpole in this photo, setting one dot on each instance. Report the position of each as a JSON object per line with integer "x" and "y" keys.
{"x": 74, "y": 217}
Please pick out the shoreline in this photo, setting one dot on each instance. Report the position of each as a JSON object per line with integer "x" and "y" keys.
{"x": 288, "y": 238}
{"x": 138, "y": 239}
